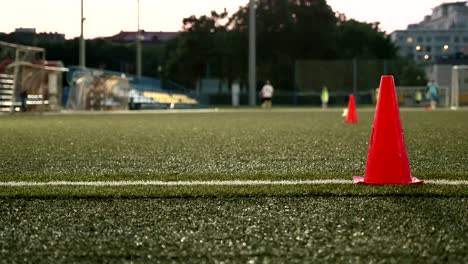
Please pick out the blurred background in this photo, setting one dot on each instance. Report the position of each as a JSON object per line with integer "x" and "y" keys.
{"x": 223, "y": 53}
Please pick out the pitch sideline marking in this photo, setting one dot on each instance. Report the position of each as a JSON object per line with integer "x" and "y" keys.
{"x": 203, "y": 183}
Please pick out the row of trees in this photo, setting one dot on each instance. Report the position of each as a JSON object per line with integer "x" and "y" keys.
{"x": 287, "y": 30}
{"x": 216, "y": 45}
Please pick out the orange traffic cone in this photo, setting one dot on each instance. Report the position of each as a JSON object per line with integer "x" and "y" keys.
{"x": 351, "y": 117}
{"x": 387, "y": 159}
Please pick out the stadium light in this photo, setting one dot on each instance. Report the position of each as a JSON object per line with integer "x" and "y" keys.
{"x": 82, "y": 56}
{"x": 252, "y": 55}
{"x": 138, "y": 44}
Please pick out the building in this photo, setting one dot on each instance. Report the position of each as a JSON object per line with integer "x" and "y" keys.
{"x": 29, "y": 36}
{"x": 25, "y": 30}
{"x": 440, "y": 37}
{"x": 147, "y": 36}
{"x": 30, "y": 33}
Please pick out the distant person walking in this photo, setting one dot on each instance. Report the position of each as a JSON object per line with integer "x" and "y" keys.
{"x": 24, "y": 100}
{"x": 433, "y": 93}
{"x": 325, "y": 97}
{"x": 418, "y": 97}
{"x": 267, "y": 94}
{"x": 376, "y": 94}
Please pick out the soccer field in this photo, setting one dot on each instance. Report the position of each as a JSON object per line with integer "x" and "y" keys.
{"x": 45, "y": 217}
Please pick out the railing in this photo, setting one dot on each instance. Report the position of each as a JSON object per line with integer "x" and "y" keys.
{"x": 406, "y": 98}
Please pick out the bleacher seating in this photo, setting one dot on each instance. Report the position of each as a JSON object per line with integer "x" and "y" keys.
{"x": 170, "y": 98}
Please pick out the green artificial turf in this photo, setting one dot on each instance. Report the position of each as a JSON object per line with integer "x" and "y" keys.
{"x": 235, "y": 230}
{"x": 221, "y": 145}
{"x": 224, "y": 145}
{"x": 328, "y": 223}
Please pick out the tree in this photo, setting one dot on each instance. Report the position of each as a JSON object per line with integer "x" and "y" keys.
{"x": 216, "y": 45}
{"x": 201, "y": 50}
{"x": 363, "y": 40}
{"x": 288, "y": 30}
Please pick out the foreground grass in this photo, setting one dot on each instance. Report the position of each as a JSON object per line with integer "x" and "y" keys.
{"x": 235, "y": 230}
{"x": 304, "y": 144}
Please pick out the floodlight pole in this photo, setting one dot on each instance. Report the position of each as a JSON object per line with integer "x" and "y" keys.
{"x": 355, "y": 76}
{"x": 252, "y": 54}
{"x": 138, "y": 45}
{"x": 82, "y": 58}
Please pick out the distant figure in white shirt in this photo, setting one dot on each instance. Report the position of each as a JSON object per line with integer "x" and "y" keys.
{"x": 267, "y": 94}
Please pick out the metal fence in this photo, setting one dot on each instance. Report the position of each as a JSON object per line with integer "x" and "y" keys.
{"x": 407, "y": 97}
{"x": 341, "y": 77}
{"x": 350, "y": 76}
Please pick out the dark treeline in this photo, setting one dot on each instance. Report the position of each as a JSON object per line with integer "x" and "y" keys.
{"x": 216, "y": 46}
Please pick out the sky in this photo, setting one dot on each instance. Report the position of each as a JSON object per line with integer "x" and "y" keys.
{"x": 109, "y": 17}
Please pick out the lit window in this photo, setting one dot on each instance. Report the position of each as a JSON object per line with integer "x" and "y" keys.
{"x": 409, "y": 40}
{"x": 418, "y": 48}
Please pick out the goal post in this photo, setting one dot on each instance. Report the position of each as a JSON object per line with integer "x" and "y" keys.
{"x": 459, "y": 89}
{"x": 28, "y": 82}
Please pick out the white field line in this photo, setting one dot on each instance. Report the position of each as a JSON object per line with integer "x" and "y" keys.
{"x": 202, "y": 183}
{"x": 447, "y": 182}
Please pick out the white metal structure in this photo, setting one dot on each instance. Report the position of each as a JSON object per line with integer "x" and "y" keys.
{"x": 459, "y": 91}
{"x": 27, "y": 79}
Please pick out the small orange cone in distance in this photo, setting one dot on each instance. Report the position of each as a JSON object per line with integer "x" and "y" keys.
{"x": 387, "y": 159}
{"x": 351, "y": 117}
